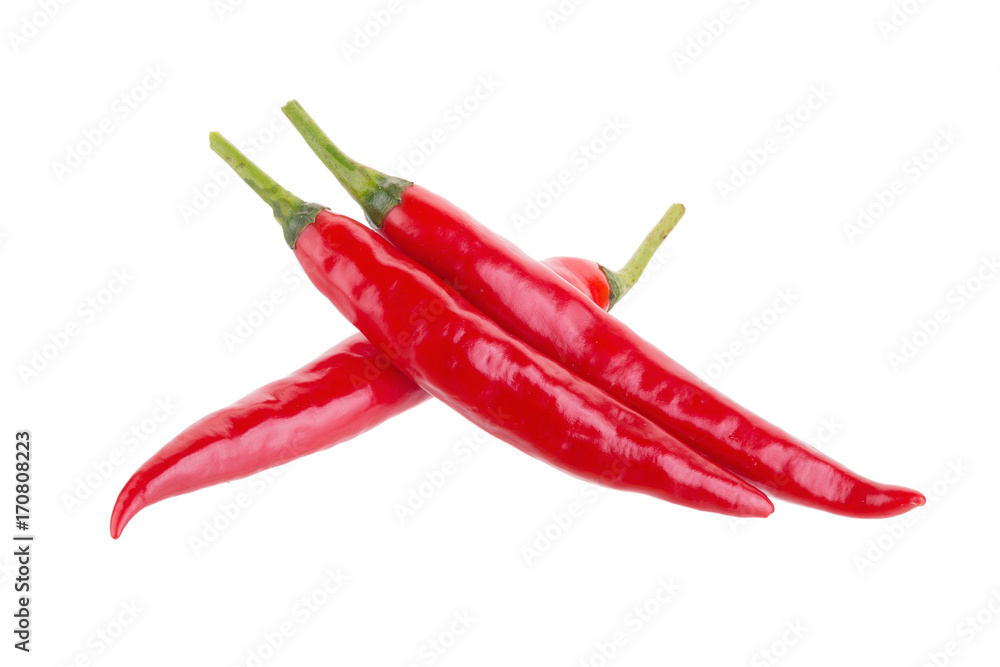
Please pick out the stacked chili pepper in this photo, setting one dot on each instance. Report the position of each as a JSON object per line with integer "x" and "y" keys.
{"x": 522, "y": 348}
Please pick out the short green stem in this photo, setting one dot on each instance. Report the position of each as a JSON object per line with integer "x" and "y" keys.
{"x": 377, "y": 193}
{"x": 292, "y": 213}
{"x": 623, "y": 280}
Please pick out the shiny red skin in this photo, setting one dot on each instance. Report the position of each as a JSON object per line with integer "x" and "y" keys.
{"x": 502, "y": 385}
{"x": 336, "y": 397}
{"x": 325, "y": 402}
{"x": 525, "y": 297}
{"x": 585, "y": 275}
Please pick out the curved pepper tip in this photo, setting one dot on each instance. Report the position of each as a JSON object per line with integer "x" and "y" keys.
{"x": 905, "y": 500}
{"x": 760, "y": 506}
{"x": 118, "y": 520}
{"x": 893, "y": 501}
{"x": 126, "y": 506}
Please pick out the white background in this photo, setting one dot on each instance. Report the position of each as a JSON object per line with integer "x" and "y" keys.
{"x": 856, "y": 592}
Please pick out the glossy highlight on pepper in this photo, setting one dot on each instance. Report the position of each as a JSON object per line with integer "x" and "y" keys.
{"x": 325, "y": 402}
{"x": 345, "y": 392}
{"x": 523, "y": 296}
{"x": 459, "y": 356}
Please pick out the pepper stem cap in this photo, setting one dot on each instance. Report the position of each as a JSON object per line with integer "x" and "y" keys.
{"x": 621, "y": 281}
{"x": 376, "y": 192}
{"x": 292, "y": 213}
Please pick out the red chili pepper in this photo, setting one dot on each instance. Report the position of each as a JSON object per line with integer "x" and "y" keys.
{"x": 585, "y": 275}
{"x": 464, "y": 359}
{"x": 343, "y": 393}
{"x": 323, "y": 403}
{"x": 523, "y": 297}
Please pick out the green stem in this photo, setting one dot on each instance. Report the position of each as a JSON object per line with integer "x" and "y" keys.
{"x": 292, "y": 213}
{"x": 624, "y": 279}
{"x": 377, "y": 193}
